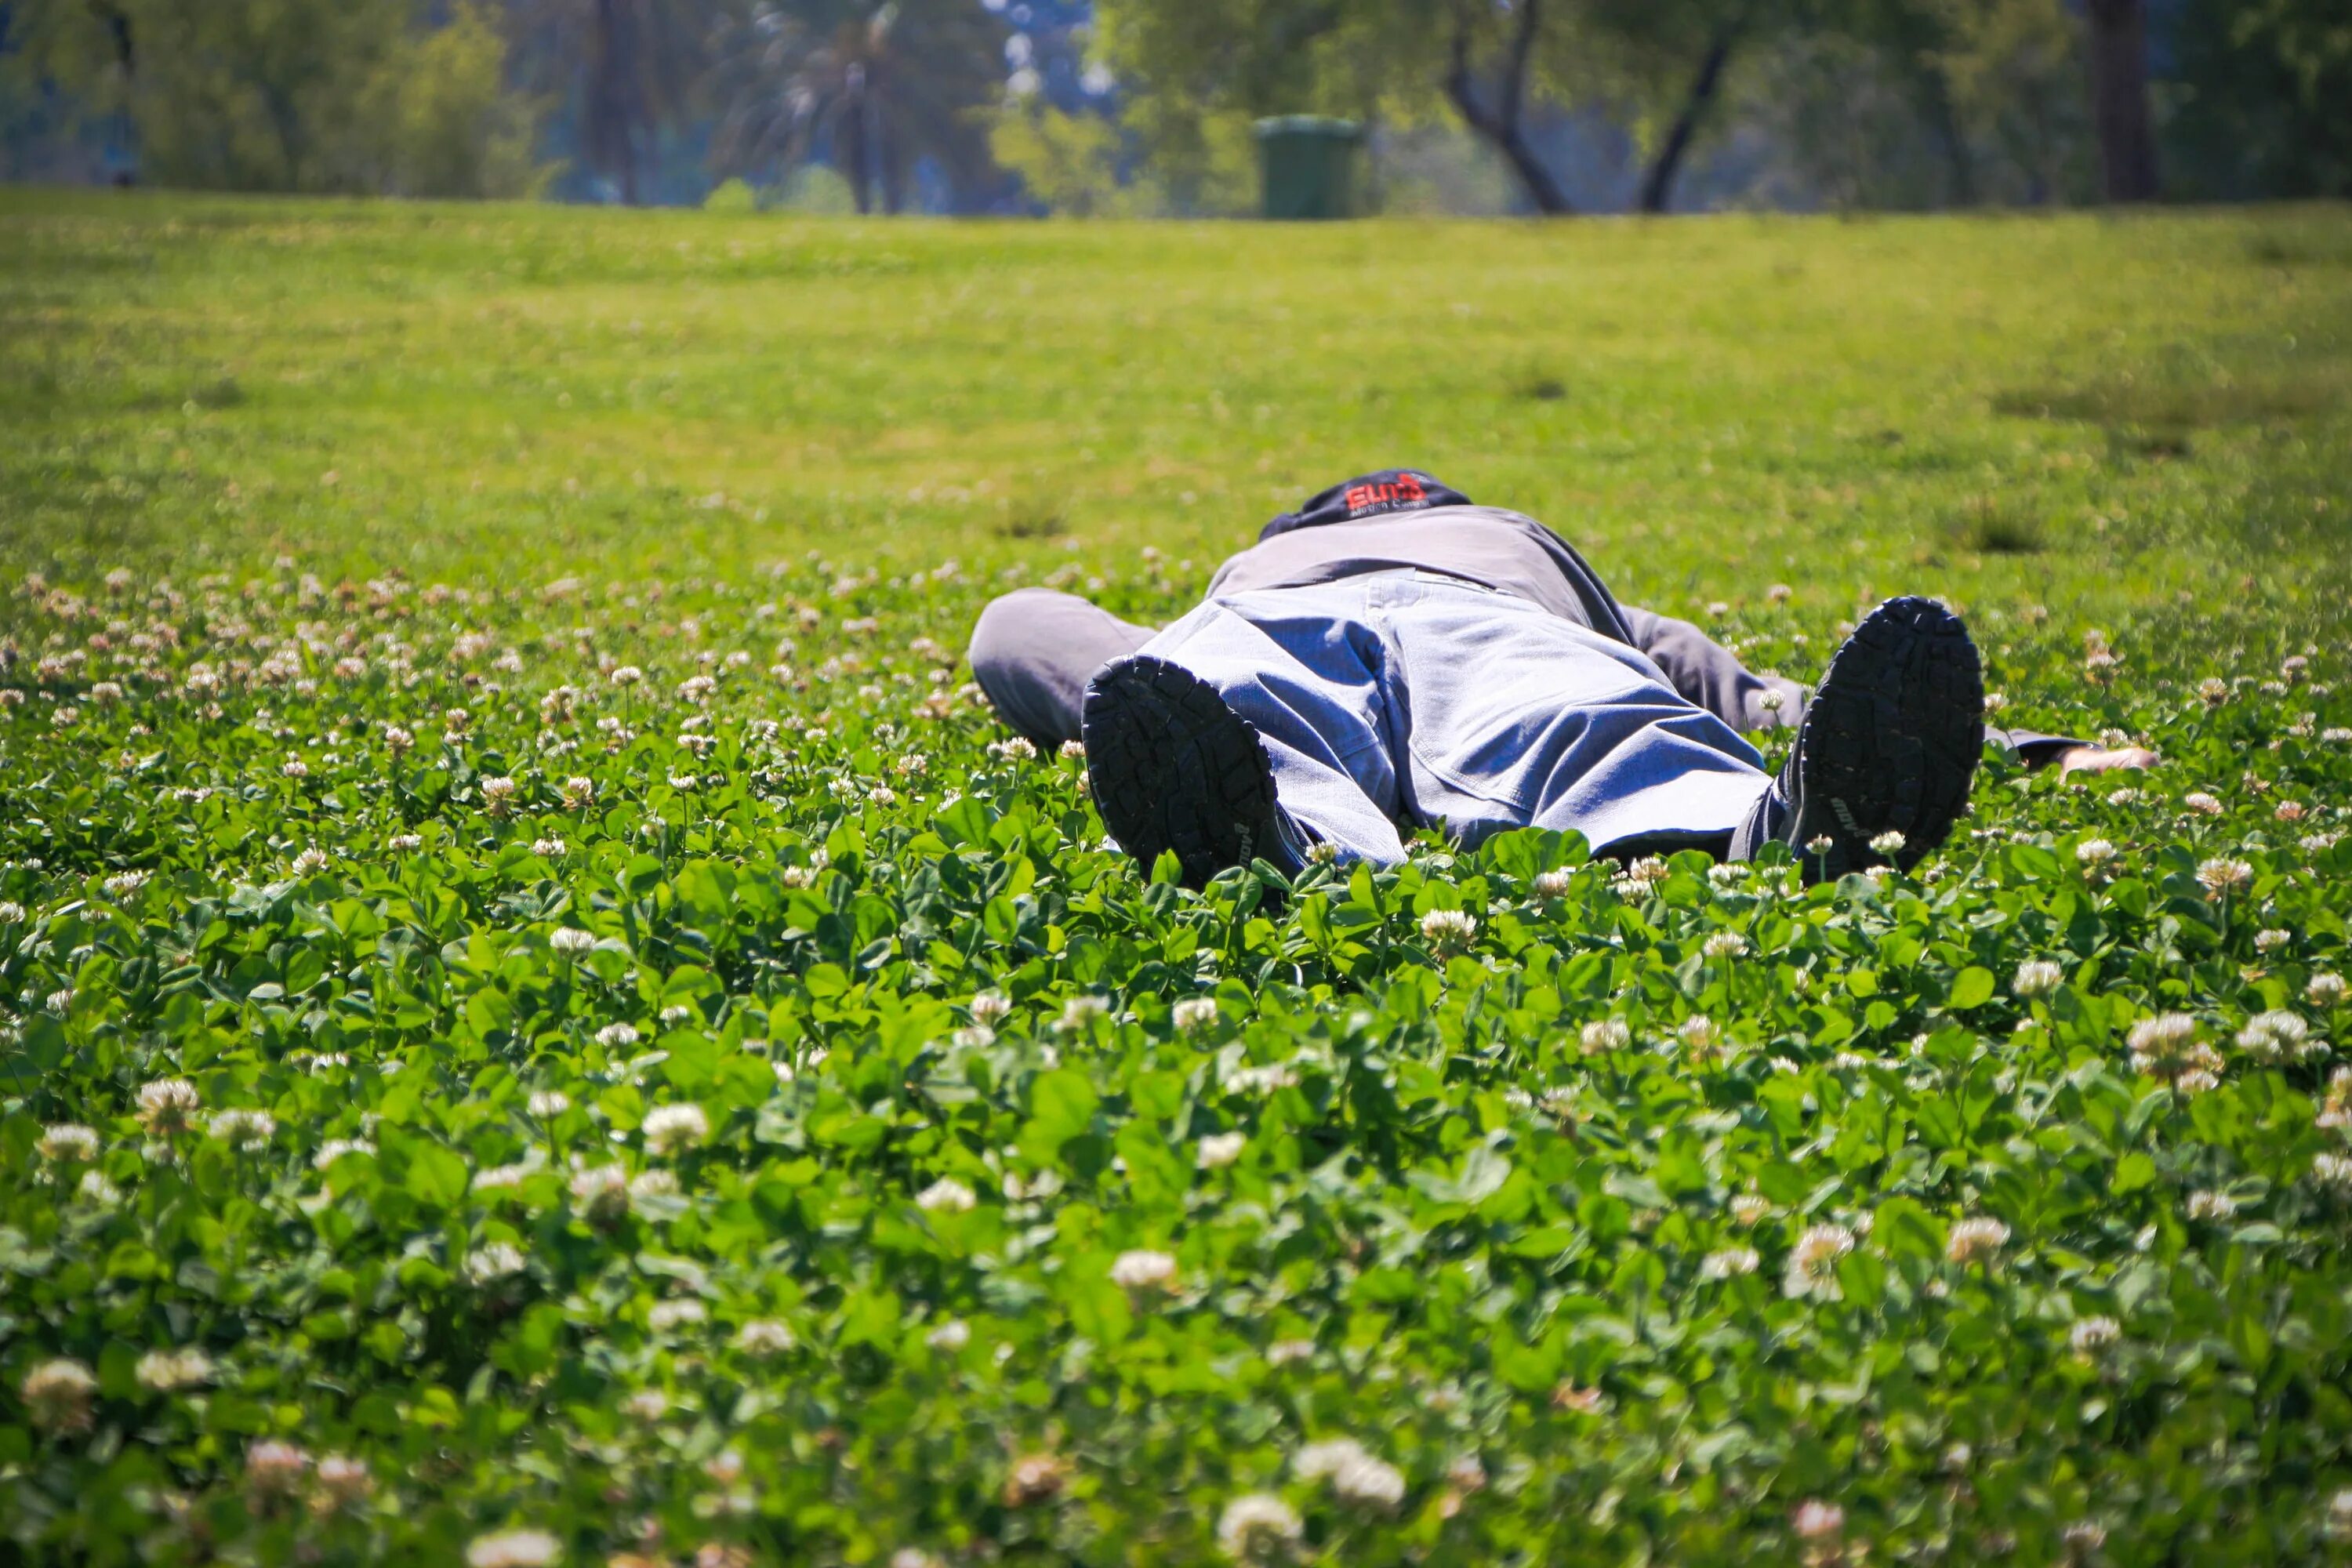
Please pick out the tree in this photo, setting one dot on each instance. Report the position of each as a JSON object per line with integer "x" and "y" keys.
{"x": 291, "y": 95}
{"x": 877, "y": 83}
{"x": 628, "y": 64}
{"x": 2119, "y": 110}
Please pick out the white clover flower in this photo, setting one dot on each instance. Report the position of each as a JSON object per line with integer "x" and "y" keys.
{"x": 626, "y": 674}
{"x": 1448, "y": 931}
{"x": 1194, "y": 1013}
{"x": 2270, "y": 941}
{"x": 94, "y": 1188}
{"x": 671, "y": 1127}
{"x": 991, "y": 1007}
{"x": 1889, "y": 843}
{"x": 1369, "y": 1483}
{"x": 946, "y": 1195}
{"x": 248, "y": 1129}
{"x": 2201, "y": 802}
{"x": 498, "y": 794}
{"x": 1749, "y": 1210}
{"x": 168, "y": 1371}
{"x": 2212, "y": 1205}
{"x": 404, "y": 843}
{"x": 1730, "y": 1262}
{"x": 2038, "y": 977}
{"x": 1257, "y": 1528}
{"x": 11, "y": 914}
{"x": 617, "y": 1037}
{"x": 1080, "y": 1010}
{"x": 513, "y": 1548}
{"x": 601, "y": 1191}
{"x": 1554, "y": 883}
{"x": 57, "y": 1395}
{"x": 64, "y": 1143}
{"x": 654, "y": 1184}
{"x": 1700, "y": 1035}
{"x": 167, "y": 1107}
{"x": 1975, "y": 1240}
{"x": 2333, "y": 1173}
{"x": 2325, "y": 991}
{"x": 311, "y": 862}
{"x": 676, "y": 1313}
{"x": 295, "y": 768}
{"x": 1144, "y": 1270}
{"x": 2339, "y": 1524}
{"x": 2094, "y": 852}
{"x": 549, "y": 849}
{"x": 2336, "y": 1110}
{"x": 1726, "y": 945}
{"x": 397, "y": 740}
{"x": 274, "y": 1469}
{"x": 764, "y": 1337}
{"x": 334, "y": 1149}
{"x": 1604, "y": 1034}
{"x": 342, "y": 1481}
{"x": 2091, "y": 1337}
{"x": 1282, "y": 1352}
{"x": 123, "y": 884}
{"x": 2224, "y": 875}
{"x": 570, "y": 941}
{"x": 494, "y": 1261}
{"x": 950, "y": 1337}
{"x": 1812, "y": 1263}
{"x": 1219, "y": 1149}
{"x": 2276, "y": 1037}
{"x": 547, "y": 1103}
{"x": 1320, "y": 1461}
{"x": 1817, "y": 1522}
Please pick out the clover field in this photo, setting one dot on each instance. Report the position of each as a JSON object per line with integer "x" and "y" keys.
{"x": 543, "y": 1021}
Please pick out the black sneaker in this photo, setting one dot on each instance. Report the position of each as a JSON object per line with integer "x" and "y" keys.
{"x": 1172, "y": 767}
{"x": 1889, "y": 743}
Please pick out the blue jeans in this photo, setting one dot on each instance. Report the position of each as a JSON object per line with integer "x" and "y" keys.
{"x": 1408, "y": 698}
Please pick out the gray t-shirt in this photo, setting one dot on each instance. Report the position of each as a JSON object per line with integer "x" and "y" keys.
{"x": 1481, "y": 545}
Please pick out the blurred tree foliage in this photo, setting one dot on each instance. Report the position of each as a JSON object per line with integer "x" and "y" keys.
{"x": 2265, "y": 100}
{"x": 301, "y": 95}
{"x": 877, "y": 84}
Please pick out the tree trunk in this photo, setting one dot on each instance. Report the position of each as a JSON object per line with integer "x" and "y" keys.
{"x": 1658, "y": 188}
{"x": 850, "y": 146}
{"x": 1945, "y": 121}
{"x": 1501, "y": 124}
{"x": 2119, "y": 100}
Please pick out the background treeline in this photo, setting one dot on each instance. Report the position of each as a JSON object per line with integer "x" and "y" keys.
{"x": 1143, "y": 107}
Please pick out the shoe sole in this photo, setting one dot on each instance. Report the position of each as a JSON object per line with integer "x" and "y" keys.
{"x": 1891, "y": 740}
{"x": 1172, "y": 767}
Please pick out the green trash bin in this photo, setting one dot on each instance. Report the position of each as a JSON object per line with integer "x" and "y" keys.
{"x": 1310, "y": 164}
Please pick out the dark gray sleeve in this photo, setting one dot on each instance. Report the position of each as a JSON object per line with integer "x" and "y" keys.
{"x": 1032, "y": 651}
{"x": 1710, "y": 676}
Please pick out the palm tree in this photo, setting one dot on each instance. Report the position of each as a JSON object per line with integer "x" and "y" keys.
{"x": 879, "y": 83}
{"x": 631, "y": 63}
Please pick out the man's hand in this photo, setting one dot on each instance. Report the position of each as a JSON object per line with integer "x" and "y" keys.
{"x": 2103, "y": 760}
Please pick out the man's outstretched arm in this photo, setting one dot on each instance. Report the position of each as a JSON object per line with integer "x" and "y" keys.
{"x": 1031, "y": 652}
{"x": 1711, "y": 676}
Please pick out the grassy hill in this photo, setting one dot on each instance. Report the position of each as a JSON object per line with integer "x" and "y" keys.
{"x": 541, "y": 1022}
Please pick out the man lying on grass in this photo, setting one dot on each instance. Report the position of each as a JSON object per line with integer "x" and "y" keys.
{"x": 1392, "y": 656}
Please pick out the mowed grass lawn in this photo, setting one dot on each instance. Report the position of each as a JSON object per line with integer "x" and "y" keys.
{"x": 540, "y": 1020}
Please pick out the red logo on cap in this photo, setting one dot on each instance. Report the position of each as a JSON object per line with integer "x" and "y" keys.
{"x": 1405, "y": 490}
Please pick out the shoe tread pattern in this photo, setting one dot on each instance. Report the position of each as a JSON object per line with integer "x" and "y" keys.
{"x": 1894, "y": 733}
{"x": 1172, "y": 766}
